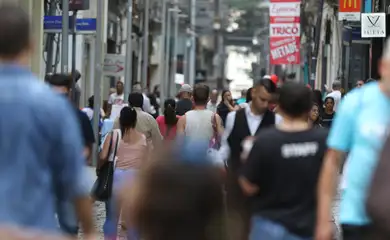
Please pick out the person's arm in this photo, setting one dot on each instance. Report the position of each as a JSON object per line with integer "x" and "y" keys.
{"x": 181, "y": 126}
{"x": 88, "y": 135}
{"x": 224, "y": 151}
{"x": 250, "y": 173}
{"x": 146, "y": 106}
{"x": 105, "y": 151}
{"x": 339, "y": 142}
{"x": 68, "y": 164}
{"x": 155, "y": 130}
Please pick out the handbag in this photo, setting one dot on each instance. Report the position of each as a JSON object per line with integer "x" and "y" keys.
{"x": 215, "y": 142}
{"x": 103, "y": 186}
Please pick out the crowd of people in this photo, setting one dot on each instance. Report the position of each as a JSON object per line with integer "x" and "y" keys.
{"x": 265, "y": 166}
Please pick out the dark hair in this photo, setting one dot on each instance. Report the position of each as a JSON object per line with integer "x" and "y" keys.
{"x": 183, "y": 201}
{"x": 249, "y": 95}
{"x": 223, "y": 95}
{"x": 170, "y": 112}
{"x": 317, "y": 98}
{"x": 59, "y": 80}
{"x": 91, "y": 101}
{"x": 295, "y": 99}
{"x": 15, "y": 31}
{"x": 326, "y": 99}
{"x": 269, "y": 86}
{"x": 201, "y": 94}
{"x": 136, "y": 100}
{"x": 127, "y": 119}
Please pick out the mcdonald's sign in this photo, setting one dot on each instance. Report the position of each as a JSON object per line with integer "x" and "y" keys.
{"x": 350, "y": 6}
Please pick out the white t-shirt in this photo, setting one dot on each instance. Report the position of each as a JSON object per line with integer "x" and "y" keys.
{"x": 336, "y": 95}
{"x": 116, "y": 99}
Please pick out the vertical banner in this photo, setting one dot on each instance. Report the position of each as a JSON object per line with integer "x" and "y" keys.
{"x": 285, "y": 32}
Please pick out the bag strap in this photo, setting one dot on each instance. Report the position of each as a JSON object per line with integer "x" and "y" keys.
{"x": 116, "y": 145}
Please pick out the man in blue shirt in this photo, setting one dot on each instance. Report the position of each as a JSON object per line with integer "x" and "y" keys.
{"x": 41, "y": 150}
{"x": 359, "y": 129}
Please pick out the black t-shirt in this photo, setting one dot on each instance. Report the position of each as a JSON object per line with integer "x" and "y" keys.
{"x": 183, "y": 106}
{"x": 86, "y": 128}
{"x": 327, "y": 119}
{"x": 285, "y": 166}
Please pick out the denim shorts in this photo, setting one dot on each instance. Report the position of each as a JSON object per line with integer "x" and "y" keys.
{"x": 262, "y": 228}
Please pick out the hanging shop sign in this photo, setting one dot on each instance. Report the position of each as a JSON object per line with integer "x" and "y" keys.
{"x": 284, "y": 32}
{"x": 373, "y": 25}
{"x": 350, "y": 10}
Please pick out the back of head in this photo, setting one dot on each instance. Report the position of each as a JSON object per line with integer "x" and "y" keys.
{"x": 267, "y": 83}
{"x": 184, "y": 201}
{"x": 249, "y": 95}
{"x": 91, "y": 101}
{"x": 59, "y": 80}
{"x": 201, "y": 94}
{"x": 295, "y": 99}
{"x": 170, "y": 112}
{"x": 127, "y": 119}
{"x": 136, "y": 100}
{"x": 317, "y": 97}
{"x": 336, "y": 85}
{"x": 15, "y": 38}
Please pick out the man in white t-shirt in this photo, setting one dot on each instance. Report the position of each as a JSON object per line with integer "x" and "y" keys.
{"x": 335, "y": 94}
{"x": 117, "y": 98}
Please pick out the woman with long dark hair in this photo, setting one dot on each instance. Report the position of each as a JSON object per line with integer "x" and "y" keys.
{"x": 168, "y": 122}
{"x": 131, "y": 151}
{"x": 314, "y": 116}
{"x": 226, "y": 105}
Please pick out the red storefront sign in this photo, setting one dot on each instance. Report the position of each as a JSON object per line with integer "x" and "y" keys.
{"x": 285, "y": 31}
{"x": 285, "y": 50}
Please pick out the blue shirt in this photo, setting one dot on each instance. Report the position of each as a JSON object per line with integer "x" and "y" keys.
{"x": 359, "y": 128}
{"x": 40, "y": 151}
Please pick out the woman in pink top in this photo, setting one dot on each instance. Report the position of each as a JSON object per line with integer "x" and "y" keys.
{"x": 130, "y": 156}
{"x": 167, "y": 123}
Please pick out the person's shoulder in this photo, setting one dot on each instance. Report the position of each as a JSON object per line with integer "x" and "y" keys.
{"x": 320, "y": 133}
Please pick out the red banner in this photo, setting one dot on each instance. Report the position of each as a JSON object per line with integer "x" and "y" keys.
{"x": 285, "y": 50}
{"x": 284, "y": 32}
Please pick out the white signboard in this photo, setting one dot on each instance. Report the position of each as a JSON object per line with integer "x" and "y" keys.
{"x": 349, "y": 16}
{"x": 373, "y": 25}
{"x": 114, "y": 65}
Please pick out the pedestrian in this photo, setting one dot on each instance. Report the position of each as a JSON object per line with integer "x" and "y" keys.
{"x": 359, "y": 129}
{"x": 185, "y": 103}
{"x": 248, "y": 98}
{"x": 241, "y": 127}
{"x": 285, "y": 208}
{"x": 174, "y": 199}
{"x": 360, "y": 83}
{"x": 146, "y": 106}
{"x": 168, "y": 122}
{"x": 131, "y": 154}
{"x": 329, "y": 113}
{"x": 242, "y": 99}
{"x": 335, "y": 93}
{"x": 118, "y": 96}
{"x": 62, "y": 83}
{"x": 213, "y": 103}
{"x": 42, "y": 149}
{"x": 146, "y": 124}
{"x": 226, "y": 105}
{"x": 318, "y": 99}
{"x": 200, "y": 123}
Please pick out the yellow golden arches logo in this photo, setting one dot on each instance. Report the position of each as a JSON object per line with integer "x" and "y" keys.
{"x": 350, "y": 3}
